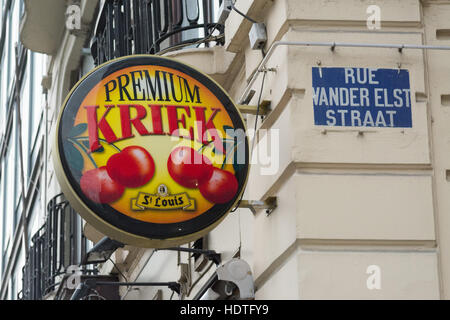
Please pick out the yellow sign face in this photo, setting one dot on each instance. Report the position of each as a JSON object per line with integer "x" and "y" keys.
{"x": 150, "y": 151}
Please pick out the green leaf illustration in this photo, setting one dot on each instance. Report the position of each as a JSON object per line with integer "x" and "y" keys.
{"x": 77, "y": 130}
{"x": 77, "y": 175}
{"x": 237, "y": 166}
{"x": 86, "y": 144}
{"x": 225, "y": 128}
{"x": 84, "y": 141}
{"x": 74, "y": 157}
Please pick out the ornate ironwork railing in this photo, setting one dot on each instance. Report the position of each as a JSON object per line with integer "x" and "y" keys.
{"x": 58, "y": 244}
{"x": 126, "y": 27}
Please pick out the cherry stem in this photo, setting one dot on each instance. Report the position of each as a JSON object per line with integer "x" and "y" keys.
{"x": 99, "y": 139}
{"x": 205, "y": 145}
{"x": 84, "y": 150}
{"x": 226, "y": 156}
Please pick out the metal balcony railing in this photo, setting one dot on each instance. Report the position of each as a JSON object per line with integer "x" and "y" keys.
{"x": 126, "y": 27}
{"x": 58, "y": 244}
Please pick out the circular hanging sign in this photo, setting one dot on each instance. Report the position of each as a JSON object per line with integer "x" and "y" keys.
{"x": 150, "y": 151}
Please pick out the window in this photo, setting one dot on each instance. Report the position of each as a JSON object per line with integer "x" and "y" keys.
{"x": 9, "y": 174}
{"x": 26, "y": 118}
{"x": 4, "y": 81}
{"x": 16, "y": 278}
{"x": 37, "y": 97}
{"x": 16, "y": 184}
{"x": 3, "y": 209}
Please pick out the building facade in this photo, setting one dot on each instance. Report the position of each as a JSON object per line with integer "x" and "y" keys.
{"x": 22, "y": 71}
{"x": 362, "y": 209}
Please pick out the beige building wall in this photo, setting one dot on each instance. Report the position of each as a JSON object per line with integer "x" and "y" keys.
{"x": 349, "y": 199}
{"x": 436, "y": 31}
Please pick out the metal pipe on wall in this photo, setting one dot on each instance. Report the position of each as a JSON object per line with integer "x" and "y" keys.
{"x": 262, "y": 65}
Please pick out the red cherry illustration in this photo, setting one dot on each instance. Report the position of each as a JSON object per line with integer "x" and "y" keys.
{"x": 188, "y": 167}
{"x": 221, "y": 187}
{"x": 98, "y": 186}
{"x": 132, "y": 167}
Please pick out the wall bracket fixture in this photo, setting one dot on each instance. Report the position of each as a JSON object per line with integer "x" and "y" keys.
{"x": 269, "y": 204}
{"x": 102, "y": 251}
{"x": 264, "y": 108}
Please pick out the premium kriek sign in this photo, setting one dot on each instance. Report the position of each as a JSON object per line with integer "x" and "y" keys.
{"x": 150, "y": 151}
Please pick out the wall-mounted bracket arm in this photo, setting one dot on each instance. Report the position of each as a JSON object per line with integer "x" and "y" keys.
{"x": 269, "y": 204}
{"x": 264, "y": 108}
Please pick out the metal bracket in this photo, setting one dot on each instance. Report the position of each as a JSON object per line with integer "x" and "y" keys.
{"x": 269, "y": 204}
{"x": 264, "y": 108}
{"x": 102, "y": 251}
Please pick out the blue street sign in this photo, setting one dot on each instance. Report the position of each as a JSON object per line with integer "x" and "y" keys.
{"x": 361, "y": 97}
